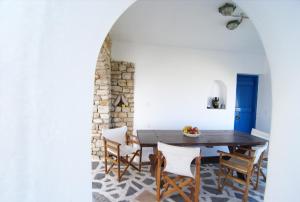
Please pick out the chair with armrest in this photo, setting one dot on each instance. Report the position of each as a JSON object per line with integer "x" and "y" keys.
{"x": 177, "y": 161}
{"x": 265, "y": 136}
{"x": 246, "y": 164}
{"x": 116, "y": 150}
{"x": 262, "y": 135}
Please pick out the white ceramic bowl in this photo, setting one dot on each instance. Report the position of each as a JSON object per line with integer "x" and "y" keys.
{"x": 192, "y": 135}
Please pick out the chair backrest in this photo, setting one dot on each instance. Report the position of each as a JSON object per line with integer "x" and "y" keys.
{"x": 178, "y": 159}
{"x": 258, "y": 151}
{"x": 116, "y": 134}
{"x": 260, "y": 134}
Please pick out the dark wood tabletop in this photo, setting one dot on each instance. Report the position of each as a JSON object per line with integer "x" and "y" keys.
{"x": 149, "y": 138}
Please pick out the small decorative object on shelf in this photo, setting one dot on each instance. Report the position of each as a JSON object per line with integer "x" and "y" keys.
{"x": 190, "y": 131}
{"x": 215, "y": 102}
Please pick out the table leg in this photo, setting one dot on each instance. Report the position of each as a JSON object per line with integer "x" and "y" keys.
{"x": 153, "y": 161}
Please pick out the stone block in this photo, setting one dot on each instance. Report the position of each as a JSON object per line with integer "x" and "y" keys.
{"x": 128, "y": 119}
{"x": 96, "y": 115}
{"x": 116, "y": 88}
{"x": 122, "y": 67}
{"x": 103, "y": 109}
{"x": 114, "y": 82}
{"x": 104, "y": 87}
{"x": 126, "y": 76}
{"x": 104, "y": 116}
{"x": 130, "y": 115}
{"x": 116, "y": 76}
{"x": 129, "y": 95}
{"x": 114, "y": 67}
{"x": 104, "y": 82}
{"x": 98, "y": 81}
{"x": 103, "y": 103}
{"x": 104, "y": 97}
{"x": 116, "y": 73}
{"x": 118, "y": 109}
{"x": 102, "y": 92}
{"x": 101, "y": 71}
{"x": 97, "y": 97}
{"x": 97, "y": 120}
{"x": 114, "y": 95}
{"x": 114, "y": 114}
{"x": 130, "y": 69}
{"x": 95, "y": 108}
{"x": 122, "y": 115}
{"x": 115, "y": 120}
{"x": 106, "y": 121}
{"x": 122, "y": 82}
{"x": 98, "y": 144}
{"x": 131, "y": 100}
{"x": 130, "y": 83}
{"x": 120, "y": 124}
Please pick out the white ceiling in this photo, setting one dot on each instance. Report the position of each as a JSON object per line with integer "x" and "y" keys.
{"x": 184, "y": 23}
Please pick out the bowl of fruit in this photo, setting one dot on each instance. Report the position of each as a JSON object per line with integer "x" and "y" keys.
{"x": 191, "y": 131}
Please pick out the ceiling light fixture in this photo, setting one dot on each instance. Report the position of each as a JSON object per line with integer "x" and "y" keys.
{"x": 227, "y": 10}
{"x": 233, "y": 24}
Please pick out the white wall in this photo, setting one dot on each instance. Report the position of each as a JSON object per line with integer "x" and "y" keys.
{"x": 282, "y": 50}
{"x": 264, "y": 102}
{"x": 48, "y": 53}
{"x": 39, "y": 163}
{"x": 172, "y": 85}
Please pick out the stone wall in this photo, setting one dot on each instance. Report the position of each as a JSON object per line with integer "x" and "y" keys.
{"x": 122, "y": 87}
{"x": 113, "y": 79}
{"x": 102, "y": 96}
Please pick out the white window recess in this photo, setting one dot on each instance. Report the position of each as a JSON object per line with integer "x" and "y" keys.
{"x": 218, "y": 90}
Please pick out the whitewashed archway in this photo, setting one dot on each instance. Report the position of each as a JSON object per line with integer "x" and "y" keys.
{"x": 48, "y": 53}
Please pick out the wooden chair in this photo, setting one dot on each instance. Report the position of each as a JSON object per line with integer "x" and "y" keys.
{"x": 265, "y": 136}
{"x": 246, "y": 164}
{"x": 143, "y": 155}
{"x": 116, "y": 151}
{"x": 177, "y": 160}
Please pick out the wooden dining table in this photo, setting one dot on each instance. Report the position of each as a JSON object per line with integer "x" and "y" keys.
{"x": 208, "y": 138}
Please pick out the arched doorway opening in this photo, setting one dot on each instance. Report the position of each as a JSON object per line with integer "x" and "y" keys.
{"x": 173, "y": 90}
{"x": 59, "y": 66}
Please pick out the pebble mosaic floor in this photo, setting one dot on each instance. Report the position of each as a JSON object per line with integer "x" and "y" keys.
{"x": 140, "y": 187}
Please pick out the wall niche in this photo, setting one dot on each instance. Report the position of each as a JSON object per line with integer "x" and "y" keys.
{"x": 217, "y": 98}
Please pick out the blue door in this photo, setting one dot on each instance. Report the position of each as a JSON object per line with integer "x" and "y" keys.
{"x": 245, "y": 105}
